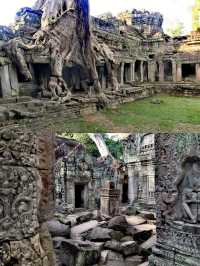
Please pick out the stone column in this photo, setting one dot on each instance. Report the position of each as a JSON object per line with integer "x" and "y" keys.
{"x": 132, "y": 183}
{"x": 110, "y": 199}
{"x": 174, "y": 70}
{"x": 22, "y": 237}
{"x": 142, "y": 70}
{"x": 46, "y": 163}
{"x": 198, "y": 72}
{"x": 161, "y": 71}
{"x": 179, "y": 72}
{"x": 133, "y": 71}
{"x": 5, "y": 81}
{"x": 151, "y": 71}
{"x": 177, "y": 200}
{"x": 122, "y": 74}
{"x": 14, "y": 80}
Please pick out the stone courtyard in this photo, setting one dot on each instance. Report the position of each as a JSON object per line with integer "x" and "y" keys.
{"x": 126, "y": 58}
{"x": 96, "y": 198}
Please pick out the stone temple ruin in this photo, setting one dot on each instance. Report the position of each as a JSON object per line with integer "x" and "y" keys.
{"x": 56, "y": 58}
{"x": 61, "y": 206}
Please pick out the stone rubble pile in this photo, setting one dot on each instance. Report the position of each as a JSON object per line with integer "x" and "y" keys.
{"x": 82, "y": 239}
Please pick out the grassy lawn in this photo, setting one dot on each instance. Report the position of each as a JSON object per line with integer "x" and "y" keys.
{"x": 173, "y": 114}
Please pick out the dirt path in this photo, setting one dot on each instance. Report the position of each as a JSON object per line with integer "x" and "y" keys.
{"x": 103, "y": 121}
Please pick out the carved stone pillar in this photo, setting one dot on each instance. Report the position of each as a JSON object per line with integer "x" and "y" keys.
{"x": 142, "y": 71}
{"x": 23, "y": 238}
{"x": 122, "y": 74}
{"x": 110, "y": 200}
{"x": 14, "y": 80}
{"x": 5, "y": 85}
{"x": 151, "y": 71}
{"x": 46, "y": 162}
{"x": 174, "y": 75}
{"x": 198, "y": 72}
{"x": 133, "y": 71}
{"x": 161, "y": 71}
{"x": 179, "y": 72}
{"x": 177, "y": 200}
{"x": 133, "y": 182}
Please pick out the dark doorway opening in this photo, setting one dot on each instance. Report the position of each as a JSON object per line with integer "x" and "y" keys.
{"x": 168, "y": 71}
{"x": 125, "y": 190}
{"x": 42, "y": 73}
{"x": 79, "y": 196}
{"x": 157, "y": 72}
{"x": 189, "y": 72}
{"x": 145, "y": 66}
{"x": 127, "y": 70}
{"x": 1, "y": 93}
{"x": 137, "y": 70}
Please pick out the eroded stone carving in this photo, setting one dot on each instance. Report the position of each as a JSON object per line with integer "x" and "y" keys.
{"x": 177, "y": 197}
{"x": 23, "y": 188}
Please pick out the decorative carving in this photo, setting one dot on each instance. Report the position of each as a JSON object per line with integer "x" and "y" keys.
{"x": 178, "y": 199}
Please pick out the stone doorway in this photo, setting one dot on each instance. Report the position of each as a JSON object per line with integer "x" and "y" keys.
{"x": 137, "y": 70}
{"x": 157, "y": 70}
{"x": 189, "y": 72}
{"x": 1, "y": 93}
{"x": 168, "y": 76}
{"x": 80, "y": 196}
{"x": 125, "y": 190}
{"x": 127, "y": 73}
{"x": 145, "y": 66}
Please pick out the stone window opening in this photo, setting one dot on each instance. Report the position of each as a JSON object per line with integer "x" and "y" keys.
{"x": 189, "y": 72}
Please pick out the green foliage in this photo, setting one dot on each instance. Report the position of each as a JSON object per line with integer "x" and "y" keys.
{"x": 176, "y": 30}
{"x": 85, "y": 140}
{"x": 114, "y": 146}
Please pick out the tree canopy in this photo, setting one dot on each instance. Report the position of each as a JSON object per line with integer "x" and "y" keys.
{"x": 176, "y": 30}
{"x": 114, "y": 146}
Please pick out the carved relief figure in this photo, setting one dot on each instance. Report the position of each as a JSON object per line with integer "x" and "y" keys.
{"x": 188, "y": 186}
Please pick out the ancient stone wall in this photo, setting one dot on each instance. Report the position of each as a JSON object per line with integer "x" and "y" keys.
{"x": 177, "y": 200}
{"x": 24, "y": 240}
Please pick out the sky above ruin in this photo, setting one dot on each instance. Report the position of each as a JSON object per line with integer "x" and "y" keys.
{"x": 173, "y": 10}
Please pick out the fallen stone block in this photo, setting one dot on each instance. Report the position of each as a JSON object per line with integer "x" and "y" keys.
{"x": 113, "y": 245}
{"x": 76, "y": 231}
{"x": 133, "y": 260}
{"x": 114, "y": 259}
{"x": 144, "y": 232}
{"x": 135, "y": 220}
{"x": 127, "y": 239}
{"x": 129, "y": 248}
{"x": 58, "y": 229}
{"x": 147, "y": 215}
{"x": 75, "y": 252}
{"x": 99, "y": 234}
{"x": 146, "y": 247}
{"x": 118, "y": 223}
{"x": 117, "y": 235}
